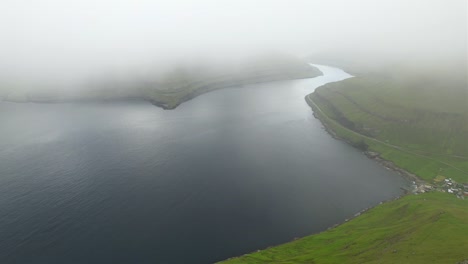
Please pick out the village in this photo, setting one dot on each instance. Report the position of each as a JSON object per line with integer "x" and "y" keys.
{"x": 442, "y": 184}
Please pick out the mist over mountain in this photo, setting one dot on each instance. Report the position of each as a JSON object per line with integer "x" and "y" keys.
{"x": 67, "y": 44}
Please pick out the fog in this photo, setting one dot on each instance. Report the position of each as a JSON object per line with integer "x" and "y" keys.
{"x": 66, "y": 43}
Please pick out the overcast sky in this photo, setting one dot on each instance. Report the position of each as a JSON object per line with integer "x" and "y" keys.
{"x": 63, "y": 38}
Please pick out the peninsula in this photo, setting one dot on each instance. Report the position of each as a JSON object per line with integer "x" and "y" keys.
{"x": 171, "y": 88}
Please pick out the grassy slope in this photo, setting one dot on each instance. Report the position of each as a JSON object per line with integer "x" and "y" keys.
{"x": 427, "y": 228}
{"x": 426, "y": 120}
{"x": 421, "y": 125}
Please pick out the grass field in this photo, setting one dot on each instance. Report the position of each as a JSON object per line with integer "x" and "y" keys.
{"x": 426, "y": 228}
{"x": 420, "y": 126}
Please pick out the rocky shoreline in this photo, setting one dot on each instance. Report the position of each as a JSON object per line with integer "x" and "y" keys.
{"x": 418, "y": 183}
{"x": 167, "y": 101}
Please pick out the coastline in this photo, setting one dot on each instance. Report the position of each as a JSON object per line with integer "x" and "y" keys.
{"x": 173, "y": 102}
{"x": 371, "y": 154}
{"x": 311, "y": 247}
{"x": 417, "y": 181}
{"x": 196, "y": 93}
{"x": 385, "y": 163}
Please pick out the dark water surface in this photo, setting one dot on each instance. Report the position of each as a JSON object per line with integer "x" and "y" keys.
{"x": 227, "y": 173}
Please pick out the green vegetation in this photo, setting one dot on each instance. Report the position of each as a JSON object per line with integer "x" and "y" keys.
{"x": 420, "y": 123}
{"x": 426, "y": 228}
{"x": 421, "y": 126}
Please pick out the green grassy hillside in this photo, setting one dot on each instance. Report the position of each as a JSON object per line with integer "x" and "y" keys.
{"x": 420, "y": 125}
{"x": 426, "y": 228}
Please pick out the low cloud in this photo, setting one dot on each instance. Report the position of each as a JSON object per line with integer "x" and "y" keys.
{"x": 47, "y": 42}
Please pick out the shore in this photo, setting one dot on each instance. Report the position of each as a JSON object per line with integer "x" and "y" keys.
{"x": 375, "y": 156}
{"x": 173, "y": 88}
{"x": 361, "y": 142}
{"x": 412, "y": 216}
